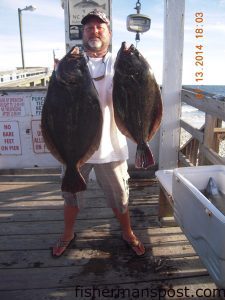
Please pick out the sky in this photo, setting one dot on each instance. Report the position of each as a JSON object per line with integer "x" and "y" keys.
{"x": 44, "y": 32}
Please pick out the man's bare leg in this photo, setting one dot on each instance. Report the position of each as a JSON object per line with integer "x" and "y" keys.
{"x": 70, "y": 214}
{"x": 127, "y": 233}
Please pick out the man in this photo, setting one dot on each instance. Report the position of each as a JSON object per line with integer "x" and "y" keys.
{"x": 109, "y": 161}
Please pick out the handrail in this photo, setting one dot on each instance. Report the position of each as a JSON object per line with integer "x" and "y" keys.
{"x": 204, "y": 144}
{"x": 208, "y": 104}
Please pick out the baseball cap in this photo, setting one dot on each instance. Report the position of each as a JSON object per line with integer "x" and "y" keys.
{"x": 95, "y": 13}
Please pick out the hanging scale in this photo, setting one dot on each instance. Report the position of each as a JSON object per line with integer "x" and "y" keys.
{"x": 138, "y": 22}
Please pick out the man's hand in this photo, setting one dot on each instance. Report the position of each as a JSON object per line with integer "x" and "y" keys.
{"x": 75, "y": 51}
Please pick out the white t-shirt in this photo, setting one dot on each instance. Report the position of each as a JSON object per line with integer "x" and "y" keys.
{"x": 113, "y": 145}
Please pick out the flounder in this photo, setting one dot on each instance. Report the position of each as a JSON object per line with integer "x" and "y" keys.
{"x": 215, "y": 196}
{"x": 137, "y": 102}
{"x": 72, "y": 118}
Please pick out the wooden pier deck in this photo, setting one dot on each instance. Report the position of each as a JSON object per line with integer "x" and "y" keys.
{"x": 98, "y": 265}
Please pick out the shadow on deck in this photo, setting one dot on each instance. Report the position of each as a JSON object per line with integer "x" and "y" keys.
{"x": 98, "y": 265}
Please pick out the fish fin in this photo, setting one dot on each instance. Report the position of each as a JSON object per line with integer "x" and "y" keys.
{"x": 144, "y": 158}
{"x": 158, "y": 115}
{"x": 73, "y": 181}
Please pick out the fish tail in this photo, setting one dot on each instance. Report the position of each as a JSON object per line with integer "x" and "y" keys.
{"x": 73, "y": 181}
{"x": 144, "y": 158}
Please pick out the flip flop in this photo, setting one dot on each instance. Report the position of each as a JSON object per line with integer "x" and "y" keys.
{"x": 135, "y": 245}
{"x": 62, "y": 244}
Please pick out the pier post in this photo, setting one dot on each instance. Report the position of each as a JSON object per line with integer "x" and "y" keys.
{"x": 171, "y": 83}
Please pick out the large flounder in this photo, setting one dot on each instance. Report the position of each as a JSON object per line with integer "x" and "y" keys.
{"x": 137, "y": 101}
{"x": 72, "y": 118}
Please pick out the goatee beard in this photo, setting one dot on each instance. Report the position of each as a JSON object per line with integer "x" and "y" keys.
{"x": 94, "y": 44}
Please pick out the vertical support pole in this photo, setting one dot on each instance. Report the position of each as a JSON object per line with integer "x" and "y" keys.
{"x": 21, "y": 35}
{"x": 171, "y": 83}
{"x": 210, "y": 140}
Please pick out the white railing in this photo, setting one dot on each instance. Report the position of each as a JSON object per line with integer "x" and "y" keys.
{"x": 204, "y": 145}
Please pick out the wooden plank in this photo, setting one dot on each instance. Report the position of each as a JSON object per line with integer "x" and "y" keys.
{"x": 207, "y": 104}
{"x": 219, "y": 130}
{"x": 155, "y": 235}
{"x": 189, "y": 152}
{"x": 29, "y": 187}
{"x": 210, "y": 124}
{"x": 10, "y": 178}
{"x": 159, "y": 289}
{"x": 82, "y": 255}
{"x": 21, "y": 203}
{"x": 52, "y": 199}
{"x": 114, "y": 270}
{"x": 28, "y": 205}
{"x": 56, "y": 226}
{"x": 53, "y": 194}
{"x": 33, "y": 171}
{"x": 39, "y": 186}
{"x": 184, "y": 160}
{"x": 195, "y": 155}
{"x": 50, "y": 195}
{"x": 197, "y": 134}
{"x": 212, "y": 156}
{"x": 83, "y": 250}
{"x": 57, "y": 214}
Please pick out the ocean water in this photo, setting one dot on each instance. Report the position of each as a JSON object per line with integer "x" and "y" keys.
{"x": 193, "y": 115}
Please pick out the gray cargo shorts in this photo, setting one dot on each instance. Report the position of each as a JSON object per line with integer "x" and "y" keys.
{"x": 112, "y": 178}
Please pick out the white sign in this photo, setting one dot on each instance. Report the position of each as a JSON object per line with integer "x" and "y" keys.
{"x": 36, "y": 105}
{"x": 10, "y": 138}
{"x": 12, "y": 106}
{"x": 37, "y": 138}
{"x": 80, "y": 8}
